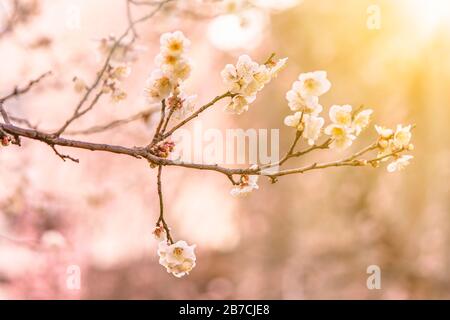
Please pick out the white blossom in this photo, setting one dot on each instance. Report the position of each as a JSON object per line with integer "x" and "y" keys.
{"x": 247, "y": 184}
{"x": 261, "y": 78}
{"x": 174, "y": 43}
{"x": 246, "y": 68}
{"x": 313, "y": 127}
{"x": 296, "y": 101}
{"x": 341, "y": 135}
{"x": 239, "y": 104}
{"x": 314, "y": 83}
{"x": 294, "y": 120}
{"x": 230, "y": 78}
{"x": 399, "y": 164}
{"x": 402, "y": 136}
{"x": 341, "y": 115}
{"x": 178, "y": 258}
{"x": 246, "y": 79}
{"x": 187, "y": 106}
{"x": 158, "y": 87}
{"x": 238, "y": 78}
{"x": 174, "y": 67}
{"x": 361, "y": 121}
{"x": 385, "y": 133}
{"x": 277, "y": 67}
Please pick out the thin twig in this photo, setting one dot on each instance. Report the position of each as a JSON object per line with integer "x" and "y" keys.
{"x": 195, "y": 114}
{"x": 156, "y": 136}
{"x": 161, "y": 219}
{"x": 130, "y": 19}
{"x": 19, "y": 91}
{"x": 113, "y": 124}
{"x": 63, "y": 156}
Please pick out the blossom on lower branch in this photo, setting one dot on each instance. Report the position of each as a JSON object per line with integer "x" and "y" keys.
{"x": 178, "y": 258}
{"x": 247, "y": 184}
{"x": 399, "y": 164}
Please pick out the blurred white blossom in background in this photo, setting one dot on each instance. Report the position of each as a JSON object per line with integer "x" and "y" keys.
{"x": 243, "y": 23}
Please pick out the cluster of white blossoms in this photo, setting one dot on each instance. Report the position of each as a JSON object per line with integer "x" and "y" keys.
{"x": 174, "y": 67}
{"x": 346, "y": 123}
{"x": 246, "y": 79}
{"x": 178, "y": 258}
{"x": 247, "y": 184}
{"x": 304, "y": 99}
{"x": 392, "y": 142}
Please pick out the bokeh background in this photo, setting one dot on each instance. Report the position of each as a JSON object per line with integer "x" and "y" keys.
{"x": 308, "y": 236}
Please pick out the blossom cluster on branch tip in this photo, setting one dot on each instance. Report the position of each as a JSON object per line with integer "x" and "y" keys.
{"x": 346, "y": 123}
{"x": 304, "y": 99}
{"x": 178, "y": 258}
{"x": 174, "y": 67}
{"x": 392, "y": 142}
{"x": 245, "y": 79}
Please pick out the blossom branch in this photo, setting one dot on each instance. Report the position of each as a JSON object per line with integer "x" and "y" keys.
{"x": 76, "y": 114}
{"x": 243, "y": 82}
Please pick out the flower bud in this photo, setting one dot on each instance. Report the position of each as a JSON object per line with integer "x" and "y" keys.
{"x": 79, "y": 85}
{"x": 5, "y": 141}
{"x": 383, "y": 144}
{"x": 159, "y": 233}
{"x": 375, "y": 164}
